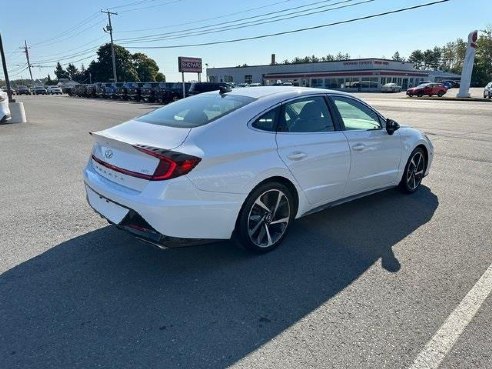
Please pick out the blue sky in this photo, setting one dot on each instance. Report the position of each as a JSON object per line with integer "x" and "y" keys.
{"x": 71, "y": 31}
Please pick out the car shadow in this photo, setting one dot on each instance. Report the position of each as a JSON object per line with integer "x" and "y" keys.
{"x": 105, "y": 299}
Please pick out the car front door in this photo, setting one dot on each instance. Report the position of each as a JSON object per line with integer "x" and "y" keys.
{"x": 314, "y": 150}
{"x": 375, "y": 155}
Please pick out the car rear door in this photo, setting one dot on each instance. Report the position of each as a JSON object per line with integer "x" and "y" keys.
{"x": 315, "y": 152}
{"x": 375, "y": 155}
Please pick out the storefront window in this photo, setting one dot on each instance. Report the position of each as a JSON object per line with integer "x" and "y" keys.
{"x": 317, "y": 82}
{"x": 248, "y": 78}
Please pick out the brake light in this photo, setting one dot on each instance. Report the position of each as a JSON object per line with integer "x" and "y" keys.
{"x": 171, "y": 164}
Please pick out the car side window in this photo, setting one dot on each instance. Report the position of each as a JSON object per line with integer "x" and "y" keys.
{"x": 267, "y": 122}
{"x": 307, "y": 115}
{"x": 355, "y": 115}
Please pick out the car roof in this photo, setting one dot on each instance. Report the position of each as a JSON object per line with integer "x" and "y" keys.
{"x": 277, "y": 91}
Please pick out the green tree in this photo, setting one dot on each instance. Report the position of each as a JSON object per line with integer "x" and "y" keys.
{"x": 72, "y": 71}
{"x": 482, "y": 69}
{"x": 60, "y": 72}
{"x": 417, "y": 59}
{"x": 159, "y": 77}
{"x": 102, "y": 68}
{"x": 396, "y": 56}
{"x": 145, "y": 67}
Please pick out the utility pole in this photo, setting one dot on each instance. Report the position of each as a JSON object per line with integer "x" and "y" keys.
{"x": 26, "y": 51}
{"x": 109, "y": 29}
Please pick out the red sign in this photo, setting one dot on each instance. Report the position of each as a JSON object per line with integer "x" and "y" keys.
{"x": 186, "y": 64}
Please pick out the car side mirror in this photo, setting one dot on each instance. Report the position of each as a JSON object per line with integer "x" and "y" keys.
{"x": 391, "y": 126}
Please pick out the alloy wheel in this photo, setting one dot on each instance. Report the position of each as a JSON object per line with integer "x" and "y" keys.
{"x": 268, "y": 218}
{"x": 415, "y": 171}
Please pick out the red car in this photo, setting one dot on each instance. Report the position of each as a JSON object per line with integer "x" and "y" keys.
{"x": 427, "y": 89}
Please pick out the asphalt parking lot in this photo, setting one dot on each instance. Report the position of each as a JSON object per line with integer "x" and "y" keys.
{"x": 363, "y": 285}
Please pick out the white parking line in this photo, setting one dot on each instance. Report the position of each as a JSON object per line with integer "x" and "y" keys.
{"x": 441, "y": 343}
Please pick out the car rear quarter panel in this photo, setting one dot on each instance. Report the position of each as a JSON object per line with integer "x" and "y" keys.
{"x": 235, "y": 158}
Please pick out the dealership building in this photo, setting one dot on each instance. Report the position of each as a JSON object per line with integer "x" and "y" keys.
{"x": 355, "y": 74}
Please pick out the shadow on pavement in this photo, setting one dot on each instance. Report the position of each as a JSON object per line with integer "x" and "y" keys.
{"x": 106, "y": 300}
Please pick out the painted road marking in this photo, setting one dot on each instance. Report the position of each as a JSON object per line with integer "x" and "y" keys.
{"x": 441, "y": 343}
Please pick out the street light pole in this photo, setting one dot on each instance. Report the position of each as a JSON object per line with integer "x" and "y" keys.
{"x": 5, "y": 72}
{"x": 109, "y": 29}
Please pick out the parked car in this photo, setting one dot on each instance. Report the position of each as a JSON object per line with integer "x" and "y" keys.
{"x": 39, "y": 90}
{"x": 4, "y": 107}
{"x": 4, "y": 89}
{"x": 200, "y": 87}
{"x": 429, "y": 89}
{"x": 54, "y": 90}
{"x": 149, "y": 91}
{"x": 80, "y": 90}
{"x": 111, "y": 90}
{"x": 122, "y": 90}
{"x": 90, "y": 90}
{"x": 99, "y": 89}
{"x": 450, "y": 84}
{"x": 23, "y": 90}
{"x": 487, "y": 91}
{"x": 390, "y": 87}
{"x": 246, "y": 163}
{"x": 134, "y": 91}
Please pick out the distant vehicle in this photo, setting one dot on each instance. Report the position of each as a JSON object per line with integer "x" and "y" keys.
{"x": 243, "y": 84}
{"x": 23, "y": 90}
{"x": 4, "y": 107}
{"x": 134, "y": 91}
{"x": 122, "y": 91}
{"x": 487, "y": 91}
{"x": 54, "y": 90}
{"x": 171, "y": 91}
{"x": 390, "y": 87}
{"x": 4, "y": 89}
{"x": 111, "y": 90}
{"x": 450, "y": 84}
{"x": 429, "y": 89}
{"x": 149, "y": 91}
{"x": 39, "y": 90}
{"x": 90, "y": 90}
{"x": 256, "y": 84}
{"x": 200, "y": 87}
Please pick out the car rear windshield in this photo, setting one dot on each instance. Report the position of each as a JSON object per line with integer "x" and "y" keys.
{"x": 196, "y": 111}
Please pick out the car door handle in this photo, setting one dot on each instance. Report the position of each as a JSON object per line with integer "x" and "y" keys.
{"x": 297, "y": 155}
{"x": 358, "y": 147}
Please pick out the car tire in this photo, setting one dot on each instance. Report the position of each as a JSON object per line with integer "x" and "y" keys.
{"x": 440, "y": 94}
{"x": 265, "y": 217}
{"x": 414, "y": 171}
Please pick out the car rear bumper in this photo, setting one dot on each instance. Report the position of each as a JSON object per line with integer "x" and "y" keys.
{"x": 173, "y": 209}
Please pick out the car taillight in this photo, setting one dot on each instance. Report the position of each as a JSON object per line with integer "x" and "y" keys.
{"x": 171, "y": 164}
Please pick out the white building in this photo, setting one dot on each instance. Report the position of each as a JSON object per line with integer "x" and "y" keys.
{"x": 356, "y": 74}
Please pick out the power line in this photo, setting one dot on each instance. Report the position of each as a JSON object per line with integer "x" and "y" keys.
{"x": 64, "y": 33}
{"x": 131, "y": 4}
{"x": 291, "y": 31}
{"x": 64, "y": 54}
{"x": 251, "y": 23}
{"x": 206, "y": 19}
{"x": 151, "y": 6}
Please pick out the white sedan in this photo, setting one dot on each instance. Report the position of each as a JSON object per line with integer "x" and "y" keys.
{"x": 391, "y": 87}
{"x": 4, "y": 107}
{"x": 245, "y": 163}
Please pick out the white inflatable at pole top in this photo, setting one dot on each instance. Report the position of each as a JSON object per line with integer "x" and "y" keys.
{"x": 468, "y": 65}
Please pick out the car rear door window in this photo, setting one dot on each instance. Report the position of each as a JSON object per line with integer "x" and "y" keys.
{"x": 307, "y": 115}
{"x": 355, "y": 115}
